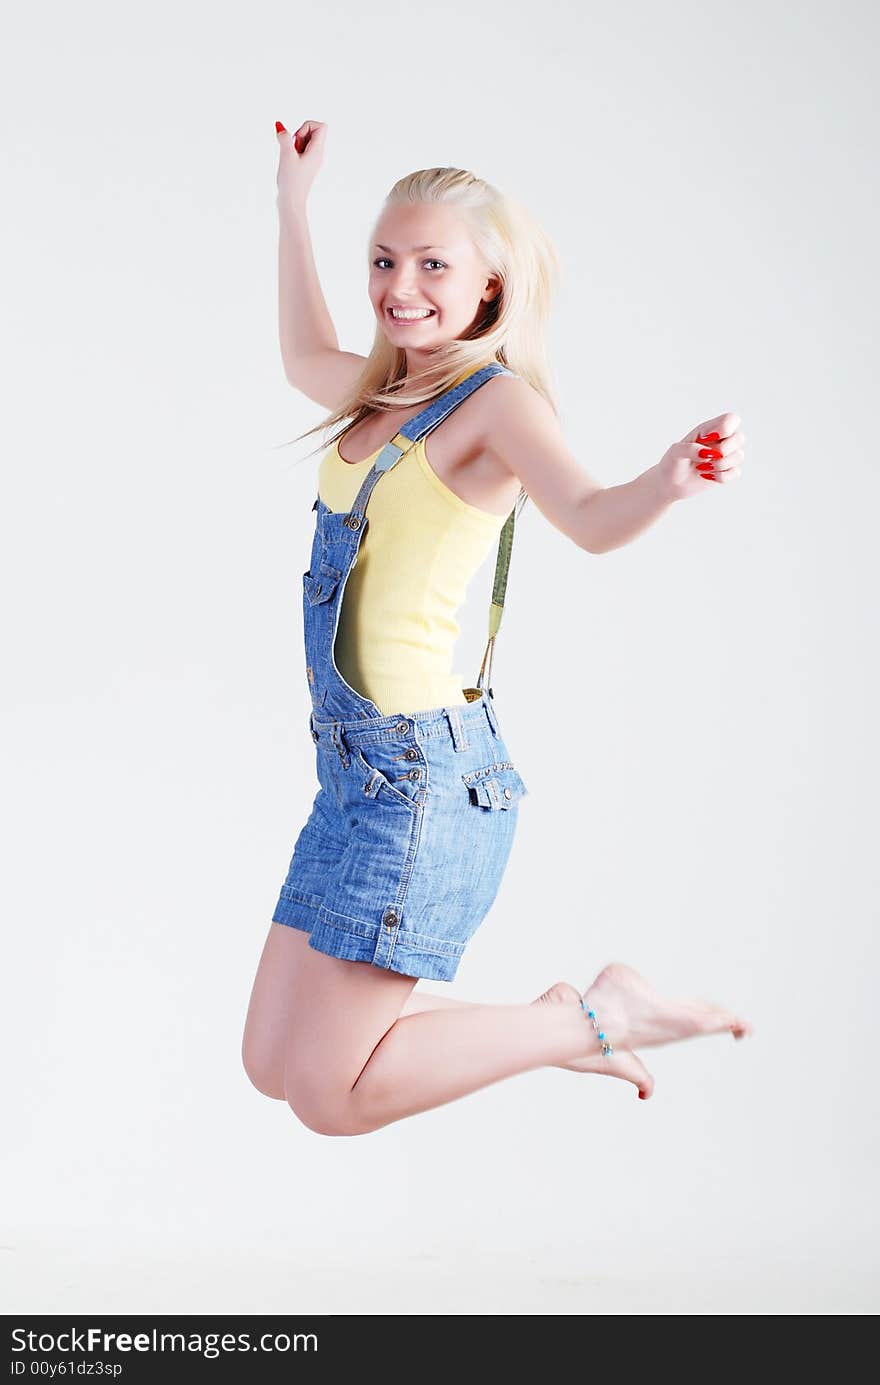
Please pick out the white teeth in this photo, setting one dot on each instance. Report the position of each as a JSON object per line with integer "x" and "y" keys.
{"x": 411, "y": 312}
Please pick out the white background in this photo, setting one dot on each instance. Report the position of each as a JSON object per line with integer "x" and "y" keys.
{"x": 694, "y": 714}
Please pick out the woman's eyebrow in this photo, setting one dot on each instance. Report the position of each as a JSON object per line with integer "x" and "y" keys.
{"x": 415, "y": 247}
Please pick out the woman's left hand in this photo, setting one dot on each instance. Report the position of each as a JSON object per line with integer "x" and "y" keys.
{"x": 713, "y": 451}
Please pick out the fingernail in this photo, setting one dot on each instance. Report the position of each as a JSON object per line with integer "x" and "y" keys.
{"x": 710, "y": 452}
{"x": 279, "y": 127}
{"x": 713, "y": 437}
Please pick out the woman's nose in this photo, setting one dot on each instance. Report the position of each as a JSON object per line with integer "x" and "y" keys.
{"x": 405, "y": 285}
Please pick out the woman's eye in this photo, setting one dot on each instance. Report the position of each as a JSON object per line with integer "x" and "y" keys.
{"x": 382, "y": 260}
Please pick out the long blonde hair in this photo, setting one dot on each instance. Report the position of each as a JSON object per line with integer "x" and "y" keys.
{"x": 512, "y": 327}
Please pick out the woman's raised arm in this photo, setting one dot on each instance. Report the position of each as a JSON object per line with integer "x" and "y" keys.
{"x": 313, "y": 362}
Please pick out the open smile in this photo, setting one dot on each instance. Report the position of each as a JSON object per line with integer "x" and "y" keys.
{"x": 420, "y": 315}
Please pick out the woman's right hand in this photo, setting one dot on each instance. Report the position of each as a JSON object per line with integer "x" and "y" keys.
{"x": 299, "y": 158}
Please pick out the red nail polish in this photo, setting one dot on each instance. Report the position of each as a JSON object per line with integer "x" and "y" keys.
{"x": 279, "y": 127}
{"x": 713, "y": 437}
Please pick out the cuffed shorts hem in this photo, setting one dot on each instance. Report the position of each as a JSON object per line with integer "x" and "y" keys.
{"x": 337, "y": 935}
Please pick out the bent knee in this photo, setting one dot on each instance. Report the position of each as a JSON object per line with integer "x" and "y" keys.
{"x": 323, "y": 1122}
{"x": 320, "y": 1111}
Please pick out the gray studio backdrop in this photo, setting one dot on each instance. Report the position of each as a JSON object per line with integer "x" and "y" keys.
{"x": 694, "y": 714}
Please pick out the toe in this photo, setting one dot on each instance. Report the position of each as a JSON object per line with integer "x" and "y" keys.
{"x": 628, "y": 1065}
{"x": 741, "y": 1029}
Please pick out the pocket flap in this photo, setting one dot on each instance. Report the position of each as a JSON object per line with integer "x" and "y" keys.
{"x": 495, "y": 788}
{"x": 320, "y": 586}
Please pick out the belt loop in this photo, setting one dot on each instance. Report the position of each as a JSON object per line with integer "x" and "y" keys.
{"x": 459, "y": 736}
{"x": 338, "y": 743}
{"x": 490, "y": 713}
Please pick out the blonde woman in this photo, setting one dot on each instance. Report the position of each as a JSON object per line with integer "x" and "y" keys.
{"x": 412, "y": 826}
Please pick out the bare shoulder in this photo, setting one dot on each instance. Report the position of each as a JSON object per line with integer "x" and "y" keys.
{"x": 504, "y": 392}
{"x": 522, "y": 437}
{"x": 512, "y": 410}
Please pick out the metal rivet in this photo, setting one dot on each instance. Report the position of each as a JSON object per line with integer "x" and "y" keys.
{"x": 415, "y": 774}
{"x": 353, "y": 522}
{"x": 412, "y": 753}
{"x": 403, "y": 727}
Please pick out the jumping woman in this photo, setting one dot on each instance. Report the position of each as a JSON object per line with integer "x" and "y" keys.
{"x": 414, "y": 819}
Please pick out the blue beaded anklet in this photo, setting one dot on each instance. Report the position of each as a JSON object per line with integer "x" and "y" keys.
{"x": 591, "y": 1016}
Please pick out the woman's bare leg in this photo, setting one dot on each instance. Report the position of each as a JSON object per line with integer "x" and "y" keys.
{"x": 340, "y": 1081}
{"x": 420, "y": 1001}
{"x": 269, "y": 1012}
{"x": 291, "y": 1033}
{"x": 356, "y": 1062}
{"x": 672, "y": 1019}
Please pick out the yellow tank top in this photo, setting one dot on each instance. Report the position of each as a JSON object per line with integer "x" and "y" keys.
{"x": 421, "y": 548}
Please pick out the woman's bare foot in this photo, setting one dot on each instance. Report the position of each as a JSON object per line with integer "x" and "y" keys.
{"x": 634, "y": 1015}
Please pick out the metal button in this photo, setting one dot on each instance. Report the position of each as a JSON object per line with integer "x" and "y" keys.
{"x": 390, "y": 918}
{"x": 507, "y": 793}
{"x": 415, "y": 774}
{"x": 402, "y": 727}
{"x": 353, "y": 522}
{"x": 412, "y": 753}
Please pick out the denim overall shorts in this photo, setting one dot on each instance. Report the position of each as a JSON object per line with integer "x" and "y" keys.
{"x": 413, "y": 823}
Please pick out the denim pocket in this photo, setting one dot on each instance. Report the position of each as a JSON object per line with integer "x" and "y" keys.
{"x": 320, "y": 586}
{"x": 495, "y": 786}
{"x": 376, "y": 782}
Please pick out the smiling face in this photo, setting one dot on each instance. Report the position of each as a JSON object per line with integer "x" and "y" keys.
{"x": 423, "y": 258}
